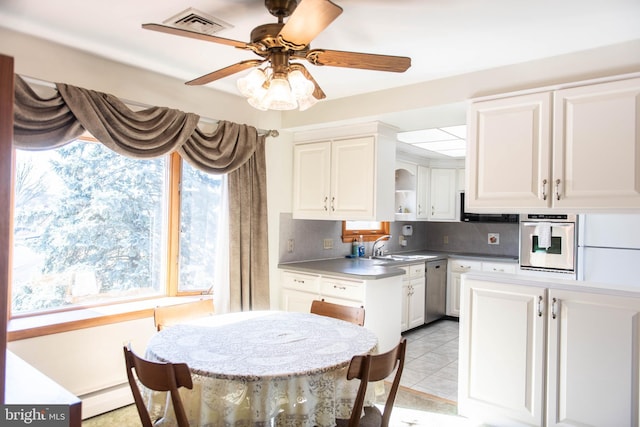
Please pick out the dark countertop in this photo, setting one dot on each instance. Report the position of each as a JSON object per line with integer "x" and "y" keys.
{"x": 371, "y": 269}
{"x": 358, "y": 268}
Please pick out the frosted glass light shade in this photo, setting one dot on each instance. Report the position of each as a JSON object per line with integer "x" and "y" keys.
{"x": 306, "y": 102}
{"x": 279, "y": 96}
{"x": 300, "y": 85}
{"x": 251, "y": 83}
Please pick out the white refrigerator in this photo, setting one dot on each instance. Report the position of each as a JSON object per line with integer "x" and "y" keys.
{"x": 609, "y": 249}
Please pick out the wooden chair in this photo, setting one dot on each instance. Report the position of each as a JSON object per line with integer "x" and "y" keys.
{"x": 338, "y": 311}
{"x": 370, "y": 368}
{"x": 159, "y": 377}
{"x": 167, "y": 315}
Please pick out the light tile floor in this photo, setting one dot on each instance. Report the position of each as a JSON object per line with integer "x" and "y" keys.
{"x": 431, "y": 363}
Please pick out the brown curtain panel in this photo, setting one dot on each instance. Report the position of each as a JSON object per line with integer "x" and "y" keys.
{"x": 235, "y": 149}
{"x": 248, "y": 242}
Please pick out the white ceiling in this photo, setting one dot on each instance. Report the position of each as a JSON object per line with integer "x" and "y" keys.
{"x": 443, "y": 37}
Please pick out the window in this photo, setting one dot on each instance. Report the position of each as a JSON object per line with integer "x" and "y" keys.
{"x": 370, "y": 230}
{"x": 94, "y": 227}
{"x": 200, "y": 222}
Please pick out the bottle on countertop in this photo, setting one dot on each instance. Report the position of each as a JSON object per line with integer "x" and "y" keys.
{"x": 355, "y": 248}
{"x": 361, "y": 246}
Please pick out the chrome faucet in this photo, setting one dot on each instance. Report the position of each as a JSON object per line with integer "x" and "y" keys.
{"x": 378, "y": 251}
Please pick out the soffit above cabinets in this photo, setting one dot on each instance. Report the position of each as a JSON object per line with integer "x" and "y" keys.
{"x": 450, "y": 141}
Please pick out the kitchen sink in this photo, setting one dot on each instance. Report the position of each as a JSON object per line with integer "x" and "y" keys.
{"x": 397, "y": 257}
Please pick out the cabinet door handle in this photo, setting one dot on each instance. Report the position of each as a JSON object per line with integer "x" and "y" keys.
{"x": 558, "y": 189}
{"x": 333, "y": 204}
{"x": 298, "y": 281}
{"x": 544, "y": 189}
{"x": 553, "y": 308}
{"x": 326, "y": 199}
{"x": 419, "y": 209}
{"x": 344, "y": 288}
{"x": 540, "y": 306}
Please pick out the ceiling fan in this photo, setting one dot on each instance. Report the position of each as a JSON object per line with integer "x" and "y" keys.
{"x": 281, "y": 45}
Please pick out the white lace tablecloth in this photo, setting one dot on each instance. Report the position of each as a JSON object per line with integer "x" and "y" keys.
{"x": 262, "y": 368}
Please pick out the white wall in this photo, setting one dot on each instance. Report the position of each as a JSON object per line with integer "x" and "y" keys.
{"x": 89, "y": 362}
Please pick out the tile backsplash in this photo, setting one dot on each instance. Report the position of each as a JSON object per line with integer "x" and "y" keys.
{"x": 308, "y": 237}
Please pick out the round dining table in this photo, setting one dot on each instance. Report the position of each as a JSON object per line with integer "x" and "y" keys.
{"x": 263, "y": 368}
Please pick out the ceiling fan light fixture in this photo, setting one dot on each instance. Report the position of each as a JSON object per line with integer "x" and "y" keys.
{"x": 307, "y": 102}
{"x": 257, "y": 100}
{"x": 300, "y": 85}
{"x": 279, "y": 95}
{"x": 252, "y": 83}
{"x": 277, "y": 90}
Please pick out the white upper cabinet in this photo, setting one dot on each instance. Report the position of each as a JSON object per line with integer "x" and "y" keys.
{"x": 443, "y": 195}
{"x": 312, "y": 183}
{"x": 571, "y": 149}
{"x": 426, "y": 193}
{"x": 596, "y": 153}
{"x": 422, "y": 193}
{"x": 508, "y": 156}
{"x": 350, "y": 177}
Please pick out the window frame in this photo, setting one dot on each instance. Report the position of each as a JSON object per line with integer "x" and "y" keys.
{"x": 368, "y": 234}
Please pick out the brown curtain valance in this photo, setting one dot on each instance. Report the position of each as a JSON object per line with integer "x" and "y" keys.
{"x": 44, "y": 123}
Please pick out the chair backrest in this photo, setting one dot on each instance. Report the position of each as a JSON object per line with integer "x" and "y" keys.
{"x": 377, "y": 367}
{"x": 159, "y": 377}
{"x": 171, "y": 314}
{"x": 338, "y": 311}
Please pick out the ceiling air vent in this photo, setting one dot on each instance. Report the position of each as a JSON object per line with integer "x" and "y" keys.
{"x": 195, "y": 20}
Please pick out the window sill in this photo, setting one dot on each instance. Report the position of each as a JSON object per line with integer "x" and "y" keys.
{"x": 53, "y": 323}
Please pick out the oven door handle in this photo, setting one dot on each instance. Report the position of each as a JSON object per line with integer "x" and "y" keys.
{"x": 553, "y": 224}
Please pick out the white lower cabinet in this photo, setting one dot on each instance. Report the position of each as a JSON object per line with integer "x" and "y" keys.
{"x": 593, "y": 360}
{"x": 299, "y": 290}
{"x": 413, "y": 296}
{"x": 455, "y": 268}
{"x": 379, "y": 297}
{"x": 540, "y": 356}
{"x": 458, "y": 266}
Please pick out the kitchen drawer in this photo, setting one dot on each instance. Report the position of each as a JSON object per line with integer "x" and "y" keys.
{"x": 340, "y": 288}
{"x": 499, "y": 267}
{"x": 413, "y": 271}
{"x": 301, "y": 282}
{"x": 464, "y": 265}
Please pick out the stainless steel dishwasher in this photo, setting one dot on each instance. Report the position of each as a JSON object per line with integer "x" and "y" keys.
{"x": 436, "y": 290}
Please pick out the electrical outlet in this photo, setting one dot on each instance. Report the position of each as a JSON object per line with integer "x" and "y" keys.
{"x": 493, "y": 238}
{"x": 445, "y": 240}
{"x": 290, "y": 245}
{"x": 327, "y": 243}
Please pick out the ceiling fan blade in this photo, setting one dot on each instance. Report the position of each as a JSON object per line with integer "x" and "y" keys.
{"x": 194, "y": 35}
{"x": 307, "y": 21}
{"x": 317, "y": 92}
{"x": 224, "y": 72}
{"x": 365, "y": 61}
